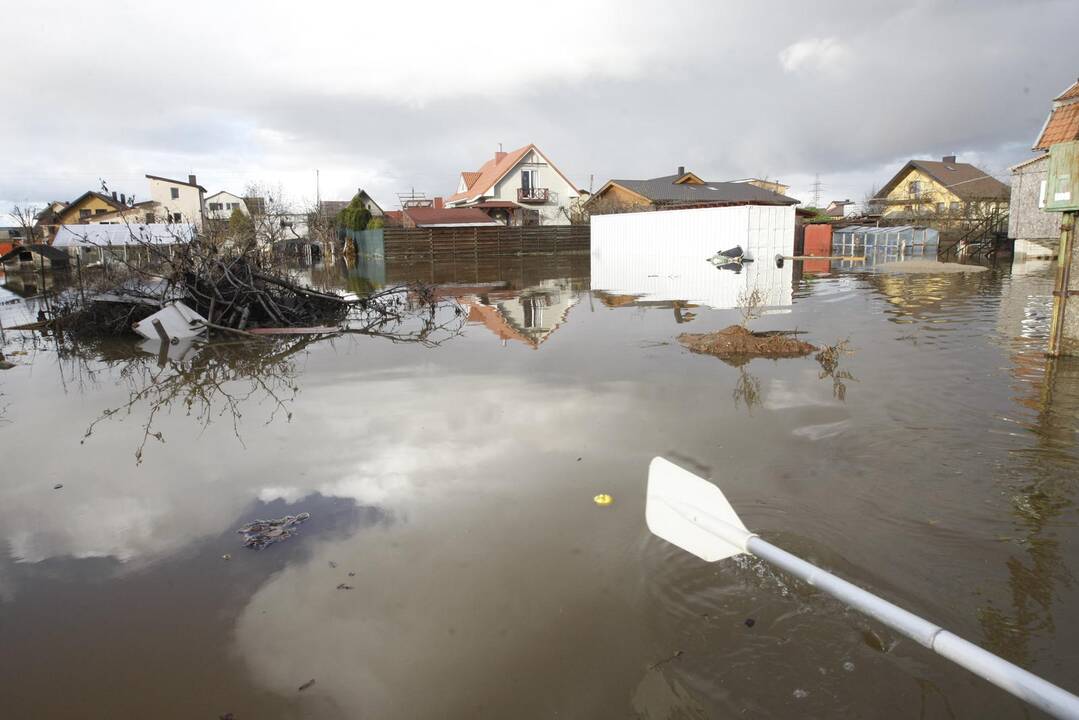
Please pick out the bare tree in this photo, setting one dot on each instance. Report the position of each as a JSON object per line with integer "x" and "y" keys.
{"x": 25, "y": 218}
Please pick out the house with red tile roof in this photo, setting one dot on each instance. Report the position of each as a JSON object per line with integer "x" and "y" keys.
{"x": 519, "y": 187}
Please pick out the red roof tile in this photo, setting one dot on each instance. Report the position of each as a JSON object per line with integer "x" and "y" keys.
{"x": 470, "y": 178}
{"x": 449, "y": 216}
{"x": 1063, "y": 126}
{"x": 1072, "y": 92}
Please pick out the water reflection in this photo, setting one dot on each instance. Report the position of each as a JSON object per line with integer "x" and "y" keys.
{"x": 648, "y": 278}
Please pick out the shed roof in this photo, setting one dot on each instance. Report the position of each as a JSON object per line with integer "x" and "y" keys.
{"x": 48, "y": 251}
{"x": 426, "y": 217}
{"x": 120, "y": 235}
{"x": 666, "y": 190}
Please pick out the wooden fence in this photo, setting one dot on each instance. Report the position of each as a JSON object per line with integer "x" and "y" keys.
{"x": 440, "y": 243}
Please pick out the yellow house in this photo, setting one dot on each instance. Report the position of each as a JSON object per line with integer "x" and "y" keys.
{"x": 929, "y": 189}
{"x": 86, "y": 206}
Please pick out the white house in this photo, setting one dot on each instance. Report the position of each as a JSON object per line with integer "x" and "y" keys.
{"x": 220, "y": 205}
{"x": 178, "y": 201}
{"x": 521, "y": 187}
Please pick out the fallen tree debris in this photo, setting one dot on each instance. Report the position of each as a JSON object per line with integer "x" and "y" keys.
{"x": 262, "y": 533}
{"x": 737, "y": 342}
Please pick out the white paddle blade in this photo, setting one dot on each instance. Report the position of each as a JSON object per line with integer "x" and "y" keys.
{"x": 692, "y": 513}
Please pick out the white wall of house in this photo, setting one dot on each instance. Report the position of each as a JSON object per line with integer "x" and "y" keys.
{"x": 177, "y": 199}
{"x": 562, "y": 194}
{"x": 220, "y": 205}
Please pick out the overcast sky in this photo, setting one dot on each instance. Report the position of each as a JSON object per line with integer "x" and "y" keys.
{"x": 391, "y": 96}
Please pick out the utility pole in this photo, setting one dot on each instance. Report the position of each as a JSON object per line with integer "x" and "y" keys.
{"x": 817, "y": 187}
{"x": 318, "y": 194}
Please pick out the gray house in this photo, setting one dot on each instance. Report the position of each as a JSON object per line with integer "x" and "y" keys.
{"x": 1036, "y": 232}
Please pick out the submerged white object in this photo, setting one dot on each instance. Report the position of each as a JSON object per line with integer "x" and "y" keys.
{"x": 693, "y": 514}
{"x": 176, "y": 319}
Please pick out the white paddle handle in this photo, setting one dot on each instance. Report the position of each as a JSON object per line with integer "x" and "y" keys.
{"x": 1023, "y": 684}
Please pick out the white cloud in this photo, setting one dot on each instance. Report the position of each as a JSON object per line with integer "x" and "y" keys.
{"x": 814, "y": 54}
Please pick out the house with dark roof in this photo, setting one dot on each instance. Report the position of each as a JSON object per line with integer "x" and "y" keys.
{"x": 945, "y": 189}
{"x": 520, "y": 187}
{"x": 34, "y": 257}
{"x": 85, "y": 206}
{"x": 680, "y": 190}
{"x": 1036, "y": 232}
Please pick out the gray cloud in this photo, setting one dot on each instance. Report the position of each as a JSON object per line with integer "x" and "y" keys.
{"x": 391, "y": 97}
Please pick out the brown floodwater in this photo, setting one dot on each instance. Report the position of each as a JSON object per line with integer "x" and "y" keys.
{"x": 450, "y": 485}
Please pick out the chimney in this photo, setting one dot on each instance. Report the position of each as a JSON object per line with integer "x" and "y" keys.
{"x": 123, "y": 198}
{"x": 191, "y": 180}
{"x": 439, "y": 203}
{"x": 499, "y": 155}
{"x": 681, "y": 170}
{"x": 950, "y": 159}
{"x": 113, "y": 194}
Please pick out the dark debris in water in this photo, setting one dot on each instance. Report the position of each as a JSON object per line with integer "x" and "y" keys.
{"x": 261, "y": 533}
{"x": 307, "y": 684}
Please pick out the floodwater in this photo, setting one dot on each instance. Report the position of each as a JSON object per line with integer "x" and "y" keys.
{"x": 450, "y": 485}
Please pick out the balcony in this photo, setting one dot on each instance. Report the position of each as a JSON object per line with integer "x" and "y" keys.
{"x": 533, "y": 195}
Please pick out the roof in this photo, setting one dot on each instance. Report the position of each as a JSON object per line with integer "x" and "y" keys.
{"x": 1070, "y": 93}
{"x": 495, "y": 169}
{"x": 223, "y": 192}
{"x": 52, "y": 253}
{"x": 1062, "y": 126}
{"x": 118, "y": 235}
{"x": 176, "y": 182}
{"x": 664, "y": 190}
{"x": 116, "y": 204}
{"x": 965, "y": 180}
{"x": 426, "y": 217}
{"x": 490, "y": 172}
{"x": 1029, "y": 161}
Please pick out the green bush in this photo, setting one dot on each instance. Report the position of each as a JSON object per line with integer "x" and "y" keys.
{"x": 375, "y": 223}
{"x": 355, "y": 216}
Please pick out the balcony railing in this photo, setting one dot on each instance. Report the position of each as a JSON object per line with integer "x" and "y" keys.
{"x": 533, "y": 195}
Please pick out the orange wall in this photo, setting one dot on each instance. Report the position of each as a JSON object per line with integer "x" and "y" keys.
{"x": 818, "y": 240}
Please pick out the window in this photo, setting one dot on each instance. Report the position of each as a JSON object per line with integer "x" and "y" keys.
{"x": 915, "y": 188}
{"x": 84, "y": 214}
{"x": 940, "y": 207}
{"x": 215, "y": 206}
{"x": 529, "y": 179}
{"x": 956, "y": 207}
{"x": 175, "y": 217}
{"x": 175, "y": 193}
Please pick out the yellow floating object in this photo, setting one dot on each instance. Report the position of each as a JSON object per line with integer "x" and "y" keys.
{"x": 603, "y": 499}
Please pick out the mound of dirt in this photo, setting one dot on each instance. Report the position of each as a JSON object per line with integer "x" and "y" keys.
{"x": 737, "y": 343}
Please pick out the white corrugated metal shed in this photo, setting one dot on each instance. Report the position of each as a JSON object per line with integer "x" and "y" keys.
{"x": 120, "y": 235}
